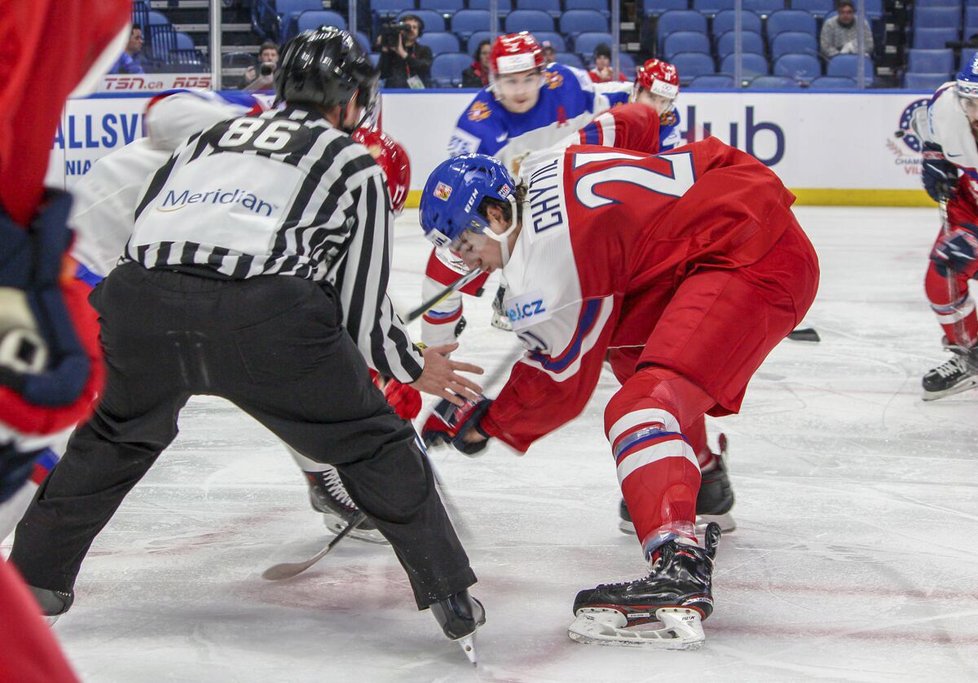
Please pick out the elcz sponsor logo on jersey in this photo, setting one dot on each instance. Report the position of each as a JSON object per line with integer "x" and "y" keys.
{"x": 172, "y": 201}
{"x": 526, "y": 310}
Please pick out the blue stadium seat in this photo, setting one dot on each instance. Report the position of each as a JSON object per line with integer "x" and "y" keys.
{"x": 924, "y": 81}
{"x": 794, "y": 42}
{"x": 711, "y": 7}
{"x": 790, "y": 20}
{"x": 531, "y": 20}
{"x": 930, "y": 61}
{"x": 679, "y": 20}
{"x": 937, "y": 3}
{"x": 570, "y": 59}
{"x": 727, "y": 20}
{"x": 832, "y": 83}
{"x": 970, "y": 19}
{"x": 577, "y": 21}
{"x": 596, "y": 5}
{"x": 798, "y": 66}
{"x": 848, "y": 65}
{"x": 654, "y": 8}
{"x": 185, "y": 53}
{"x": 184, "y": 41}
{"x": 712, "y": 82}
{"x": 477, "y": 38}
{"x": 447, "y": 68}
{"x": 627, "y": 63}
{"x": 749, "y": 42}
{"x": 764, "y": 7}
{"x": 585, "y": 43}
{"x": 685, "y": 41}
{"x": 306, "y": 21}
{"x": 467, "y": 21}
{"x": 817, "y": 8}
{"x": 388, "y": 9}
{"x": 556, "y": 40}
{"x": 374, "y": 58}
{"x": 504, "y": 7}
{"x": 364, "y": 41}
{"x": 752, "y": 65}
{"x": 440, "y": 42}
{"x": 936, "y": 17}
{"x": 934, "y": 38}
{"x": 433, "y": 21}
{"x": 692, "y": 64}
{"x": 288, "y": 12}
{"x": 774, "y": 83}
{"x": 551, "y": 7}
{"x": 442, "y": 6}
{"x": 161, "y": 39}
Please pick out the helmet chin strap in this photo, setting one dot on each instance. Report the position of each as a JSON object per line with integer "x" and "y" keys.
{"x": 503, "y": 237}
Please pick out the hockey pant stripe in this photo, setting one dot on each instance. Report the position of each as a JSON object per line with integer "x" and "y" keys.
{"x": 948, "y": 314}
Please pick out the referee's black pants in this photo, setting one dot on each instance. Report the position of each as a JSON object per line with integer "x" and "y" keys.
{"x": 275, "y": 347}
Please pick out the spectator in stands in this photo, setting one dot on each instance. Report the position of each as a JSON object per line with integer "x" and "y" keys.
{"x": 263, "y": 78}
{"x": 602, "y": 71}
{"x": 840, "y": 33}
{"x": 129, "y": 62}
{"x": 477, "y": 75}
{"x": 549, "y": 53}
{"x": 404, "y": 62}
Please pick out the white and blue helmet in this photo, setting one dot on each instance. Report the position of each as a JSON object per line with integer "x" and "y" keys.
{"x": 967, "y": 79}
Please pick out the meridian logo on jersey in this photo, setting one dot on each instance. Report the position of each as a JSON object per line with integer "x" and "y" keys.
{"x": 172, "y": 201}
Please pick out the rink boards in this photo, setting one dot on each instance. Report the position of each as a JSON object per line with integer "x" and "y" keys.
{"x": 846, "y": 148}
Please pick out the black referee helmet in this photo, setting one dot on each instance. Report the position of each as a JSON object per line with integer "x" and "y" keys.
{"x": 327, "y": 67}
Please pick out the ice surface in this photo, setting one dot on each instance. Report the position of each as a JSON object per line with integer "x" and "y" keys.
{"x": 856, "y": 503}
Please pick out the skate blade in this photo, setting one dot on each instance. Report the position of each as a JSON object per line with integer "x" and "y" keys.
{"x": 966, "y": 385}
{"x": 336, "y": 525}
{"x": 467, "y": 643}
{"x": 682, "y": 629}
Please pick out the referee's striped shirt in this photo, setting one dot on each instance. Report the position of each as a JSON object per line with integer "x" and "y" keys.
{"x": 282, "y": 194}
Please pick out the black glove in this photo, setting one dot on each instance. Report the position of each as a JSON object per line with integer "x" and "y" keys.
{"x": 957, "y": 250}
{"x": 450, "y": 423}
{"x": 940, "y": 176}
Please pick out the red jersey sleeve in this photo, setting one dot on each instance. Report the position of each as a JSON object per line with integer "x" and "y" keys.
{"x": 634, "y": 127}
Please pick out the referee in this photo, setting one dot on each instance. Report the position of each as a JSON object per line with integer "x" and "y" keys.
{"x": 257, "y": 271}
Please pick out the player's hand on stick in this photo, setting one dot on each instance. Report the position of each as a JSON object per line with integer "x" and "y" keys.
{"x": 956, "y": 250}
{"x": 939, "y": 175}
{"x": 440, "y": 376}
{"x": 457, "y": 425}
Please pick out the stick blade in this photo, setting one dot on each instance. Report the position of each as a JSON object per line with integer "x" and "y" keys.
{"x": 805, "y": 334}
{"x": 286, "y": 570}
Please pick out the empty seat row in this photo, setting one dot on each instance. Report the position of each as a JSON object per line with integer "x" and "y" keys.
{"x": 798, "y": 66}
{"x": 818, "y": 8}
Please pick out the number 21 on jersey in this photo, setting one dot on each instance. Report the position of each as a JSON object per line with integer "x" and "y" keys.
{"x": 673, "y": 183}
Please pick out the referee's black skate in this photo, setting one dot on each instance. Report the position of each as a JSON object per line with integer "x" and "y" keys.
{"x": 328, "y": 496}
{"x": 958, "y": 374}
{"x": 459, "y": 616}
{"x": 713, "y": 502}
{"x": 52, "y": 603}
{"x": 677, "y": 594}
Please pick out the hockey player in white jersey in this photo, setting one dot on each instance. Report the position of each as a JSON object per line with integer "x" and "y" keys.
{"x": 950, "y": 158}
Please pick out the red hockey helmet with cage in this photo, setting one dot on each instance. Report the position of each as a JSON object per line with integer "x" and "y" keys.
{"x": 515, "y": 52}
{"x": 659, "y": 78}
{"x": 392, "y": 158}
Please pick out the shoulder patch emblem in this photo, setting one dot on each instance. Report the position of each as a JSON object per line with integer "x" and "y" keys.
{"x": 554, "y": 79}
{"x": 479, "y": 111}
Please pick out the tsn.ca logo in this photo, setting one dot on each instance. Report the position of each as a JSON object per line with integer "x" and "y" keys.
{"x": 138, "y": 83}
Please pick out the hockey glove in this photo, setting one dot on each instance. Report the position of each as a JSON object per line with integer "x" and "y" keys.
{"x": 450, "y": 423}
{"x": 940, "y": 176}
{"x": 957, "y": 250}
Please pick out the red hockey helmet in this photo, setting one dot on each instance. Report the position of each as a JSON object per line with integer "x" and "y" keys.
{"x": 659, "y": 78}
{"x": 515, "y": 52}
{"x": 392, "y": 158}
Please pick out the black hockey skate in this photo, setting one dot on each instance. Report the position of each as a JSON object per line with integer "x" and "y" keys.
{"x": 459, "y": 616}
{"x": 956, "y": 375}
{"x": 713, "y": 502}
{"x": 52, "y": 603}
{"x": 677, "y": 594}
{"x": 499, "y": 318}
{"x": 328, "y": 496}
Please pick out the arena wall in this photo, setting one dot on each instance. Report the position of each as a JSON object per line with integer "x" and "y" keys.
{"x": 837, "y": 148}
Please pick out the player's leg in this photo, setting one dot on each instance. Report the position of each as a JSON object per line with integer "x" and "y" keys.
{"x": 135, "y": 420}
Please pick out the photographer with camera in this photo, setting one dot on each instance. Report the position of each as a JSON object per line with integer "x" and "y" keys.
{"x": 404, "y": 63}
{"x": 262, "y": 78}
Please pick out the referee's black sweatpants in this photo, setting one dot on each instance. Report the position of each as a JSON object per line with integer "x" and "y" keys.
{"x": 275, "y": 347}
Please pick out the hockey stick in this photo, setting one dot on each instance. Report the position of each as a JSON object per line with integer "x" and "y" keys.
{"x": 449, "y": 290}
{"x": 807, "y": 334}
{"x": 287, "y": 570}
